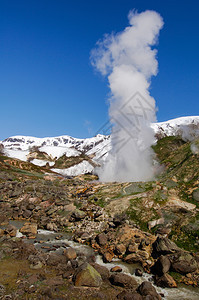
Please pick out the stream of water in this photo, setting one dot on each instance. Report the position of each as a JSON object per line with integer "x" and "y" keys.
{"x": 56, "y": 242}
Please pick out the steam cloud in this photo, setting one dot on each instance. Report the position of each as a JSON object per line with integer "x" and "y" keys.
{"x": 129, "y": 61}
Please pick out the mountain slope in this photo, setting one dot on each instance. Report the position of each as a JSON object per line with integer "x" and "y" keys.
{"x": 72, "y": 156}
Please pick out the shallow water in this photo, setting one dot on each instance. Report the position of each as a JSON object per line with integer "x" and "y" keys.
{"x": 51, "y": 243}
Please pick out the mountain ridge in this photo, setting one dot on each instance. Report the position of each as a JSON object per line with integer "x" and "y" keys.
{"x": 82, "y": 155}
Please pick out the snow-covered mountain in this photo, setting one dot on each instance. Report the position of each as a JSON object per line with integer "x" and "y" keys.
{"x": 186, "y": 127}
{"x": 72, "y": 156}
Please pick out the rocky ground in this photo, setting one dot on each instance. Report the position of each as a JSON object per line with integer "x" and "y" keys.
{"x": 153, "y": 224}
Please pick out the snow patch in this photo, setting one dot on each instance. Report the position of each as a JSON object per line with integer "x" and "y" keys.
{"x": 81, "y": 168}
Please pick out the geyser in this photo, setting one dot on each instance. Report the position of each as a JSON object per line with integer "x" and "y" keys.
{"x": 129, "y": 61}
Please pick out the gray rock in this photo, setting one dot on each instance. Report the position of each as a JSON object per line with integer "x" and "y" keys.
{"x": 86, "y": 275}
{"x": 138, "y": 272}
{"x": 123, "y": 280}
{"x": 70, "y": 253}
{"x": 101, "y": 239}
{"x": 166, "y": 281}
{"x": 161, "y": 266}
{"x": 127, "y": 295}
{"x": 183, "y": 263}
{"x": 77, "y": 215}
{"x": 146, "y": 289}
{"x": 103, "y": 271}
{"x": 164, "y": 246}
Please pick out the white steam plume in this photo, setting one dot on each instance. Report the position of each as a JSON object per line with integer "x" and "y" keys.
{"x": 129, "y": 62}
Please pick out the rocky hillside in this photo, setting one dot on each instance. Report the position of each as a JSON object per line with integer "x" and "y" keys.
{"x": 71, "y": 156}
{"x": 152, "y": 227}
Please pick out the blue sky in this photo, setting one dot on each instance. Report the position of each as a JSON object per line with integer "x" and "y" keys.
{"x": 47, "y": 84}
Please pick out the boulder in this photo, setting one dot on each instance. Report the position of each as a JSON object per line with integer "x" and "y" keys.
{"x": 161, "y": 266}
{"x": 138, "y": 272}
{"x": 146, "y": 289}
{"x": 11, "y": 230}
{"x": 70, "y": 253}
{"x": 128, "y": 295}
{"x": 123, "y": 280}
{"x": 29, "y": 229}
{"x": 139, "y": 257}
{"x": 116, "y": 269}
{"x": 183, "y": 263}
{"x": 103, "y": 271}
{"x": 86, "y": 275}
{"x": 166, "y": 281}
{"x": 107, "y": 256}
{"x": 163, "y": 246}
{"x": 101, "y": 239}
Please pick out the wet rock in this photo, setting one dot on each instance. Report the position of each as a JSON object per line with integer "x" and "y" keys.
{"x": 146, "y": 289}
{"x": 166, "y": 281}
{"x": 161, "y": 266}
{"x": 107, "y": 256}
{"x": 116, "y": 269}
{"x": 29, "y": 229}
{"x": 183, "y": 263}
{"x": 70, "y": 253}
{"x": 123, "y": 280}
{"x": 127, "y": 295}
{"x": 138, "y": 272}
{"x": 86, "y": 275}
{"x": 101, "y": 239}
{"x": 139, "y": 256}
{"x": 103, "y": 271}
{"x": 11, "y": 230}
